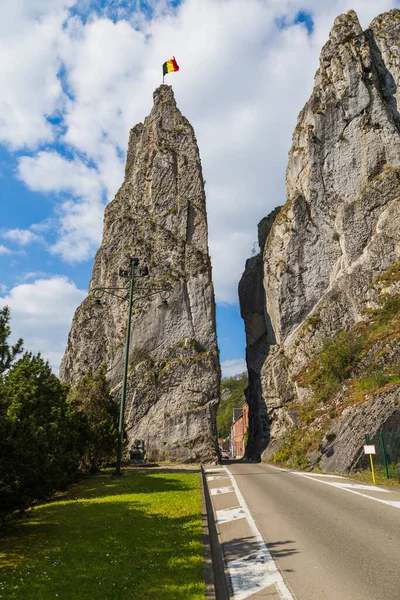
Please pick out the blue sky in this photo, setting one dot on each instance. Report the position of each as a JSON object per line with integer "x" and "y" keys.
{"x": 76, "y": 76}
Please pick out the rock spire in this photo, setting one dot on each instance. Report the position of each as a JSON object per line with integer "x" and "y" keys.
{"x": 158, "y": 216}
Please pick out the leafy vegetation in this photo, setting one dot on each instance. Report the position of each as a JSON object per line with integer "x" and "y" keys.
{"x": 139, "y": 536}
{"x": 40, "y": 441}
{"x": 297, "y": 445}
{"x": 91, "y": 400}
{"x": 338, "y": 359}
{"x": 47, "y": 434}
{"x": 232, "y": 396}
{"x": 341, "y": 362}
{"x": 333, "y": 365}
{"x": 7, "y": 353}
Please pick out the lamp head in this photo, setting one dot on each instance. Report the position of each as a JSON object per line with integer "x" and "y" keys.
{"x": 97, "y": 305}
{"x": 163, "y": 304}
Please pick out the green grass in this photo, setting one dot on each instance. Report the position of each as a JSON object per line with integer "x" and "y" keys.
{"x": 380, "y": 476}
{"x": 138, "y": 537}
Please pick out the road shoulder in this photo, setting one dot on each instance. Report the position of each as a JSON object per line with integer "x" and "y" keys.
{"x": 250, "y": 567}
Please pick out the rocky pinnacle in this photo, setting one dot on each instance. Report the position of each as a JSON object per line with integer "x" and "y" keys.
{"x": 158, "y": 216}
{"x": 337, "y": 233}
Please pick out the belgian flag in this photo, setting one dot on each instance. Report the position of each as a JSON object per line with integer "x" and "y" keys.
{"x": 170, "y": 66}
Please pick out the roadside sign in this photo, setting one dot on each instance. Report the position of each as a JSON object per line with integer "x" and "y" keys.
{"x": 371, "y": 449}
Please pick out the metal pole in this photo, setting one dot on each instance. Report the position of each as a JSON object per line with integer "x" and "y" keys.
{"x": 371, "y": 460}
{"x": 384, "y": 454}
{"x": 125, "y": 378}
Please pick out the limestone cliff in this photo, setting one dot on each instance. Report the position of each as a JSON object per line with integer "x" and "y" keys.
{"x": 158, "y": 216}
{"x": 334, "y": 242}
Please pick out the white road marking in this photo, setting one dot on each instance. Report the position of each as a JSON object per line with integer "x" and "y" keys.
{"x": 394, "y": 503}
{"x": 356, "y": 486}
{"x": 253, "y": 573}
{"x": 215, "y": 470}
{"x": 221, "y": 490}
{"x": 214, "y": 477}
{"x": 242, "y": 571}
{"x": 227, "y": 515}
{"x": 318, "y": 474}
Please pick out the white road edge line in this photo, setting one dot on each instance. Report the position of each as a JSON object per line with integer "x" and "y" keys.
{"x": 274, "y": 575}
{"x": 392, "y": 503}
{"x": 321, "y": 475}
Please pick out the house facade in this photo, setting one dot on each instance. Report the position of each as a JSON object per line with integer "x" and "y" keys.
{"x": 239, "y": 429}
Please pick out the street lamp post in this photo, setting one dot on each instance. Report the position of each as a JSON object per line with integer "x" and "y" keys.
{"x": 98, "y": 293}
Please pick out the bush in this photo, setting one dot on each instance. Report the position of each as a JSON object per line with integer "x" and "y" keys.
{"x": 333, "y": 365}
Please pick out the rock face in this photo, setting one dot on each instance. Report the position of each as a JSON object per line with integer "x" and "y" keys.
{"x": 336, "y": 236}
{"x": 158, "y": 216}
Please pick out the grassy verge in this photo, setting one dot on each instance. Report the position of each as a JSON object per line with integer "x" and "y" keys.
{"x": 380, "y": 476}
{"x": 136, "y": 537}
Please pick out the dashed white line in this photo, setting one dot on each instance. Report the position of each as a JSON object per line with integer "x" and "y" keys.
{"x": 227, "y": 515}
{"x": 214, "y": 477}
{"x": 253, "y": 573}
{"x": 221, "y": 490}
{"x": 215, "y": 470}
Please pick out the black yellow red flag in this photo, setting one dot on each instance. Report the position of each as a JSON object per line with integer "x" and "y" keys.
{"x": 170, "y": 66}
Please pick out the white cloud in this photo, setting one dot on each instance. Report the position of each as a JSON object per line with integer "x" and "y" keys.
{"x": 21, "y": 236}
{"x": 80, "y": 220}
{"x": 232, "y": 367}
{"x": 50, "y": 172}
{"x": 225, "y": 249}
{"x": 29, "y": 62}
{"x": 81, "y": 225}
{"x": 4, "y": 250}
{"x": 41, "y": 313}
{"x": 242, "y": 82}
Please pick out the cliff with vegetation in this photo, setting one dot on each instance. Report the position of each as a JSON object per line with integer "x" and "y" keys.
{"x": 158, "y": 216}
{"x": 323, "y": 323}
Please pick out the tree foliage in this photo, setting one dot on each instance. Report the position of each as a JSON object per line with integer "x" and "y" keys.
{"x": 48, "y": 433}
{"x": 40, "y": 442}
{"x": 92, "y": 400}
{"x": 7, "y": 352}
{"x": 232, "y": 396}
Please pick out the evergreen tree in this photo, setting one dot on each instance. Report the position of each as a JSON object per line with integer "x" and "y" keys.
{"x": 91, "y": 398}
{"x": 7, "y": 352}
{"x": 42, "y": 441}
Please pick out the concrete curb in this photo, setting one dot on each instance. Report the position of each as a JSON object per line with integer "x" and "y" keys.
{"x": 219, "y": 587}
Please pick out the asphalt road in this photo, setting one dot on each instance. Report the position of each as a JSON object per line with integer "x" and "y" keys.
{"x": 329, "y": 542}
